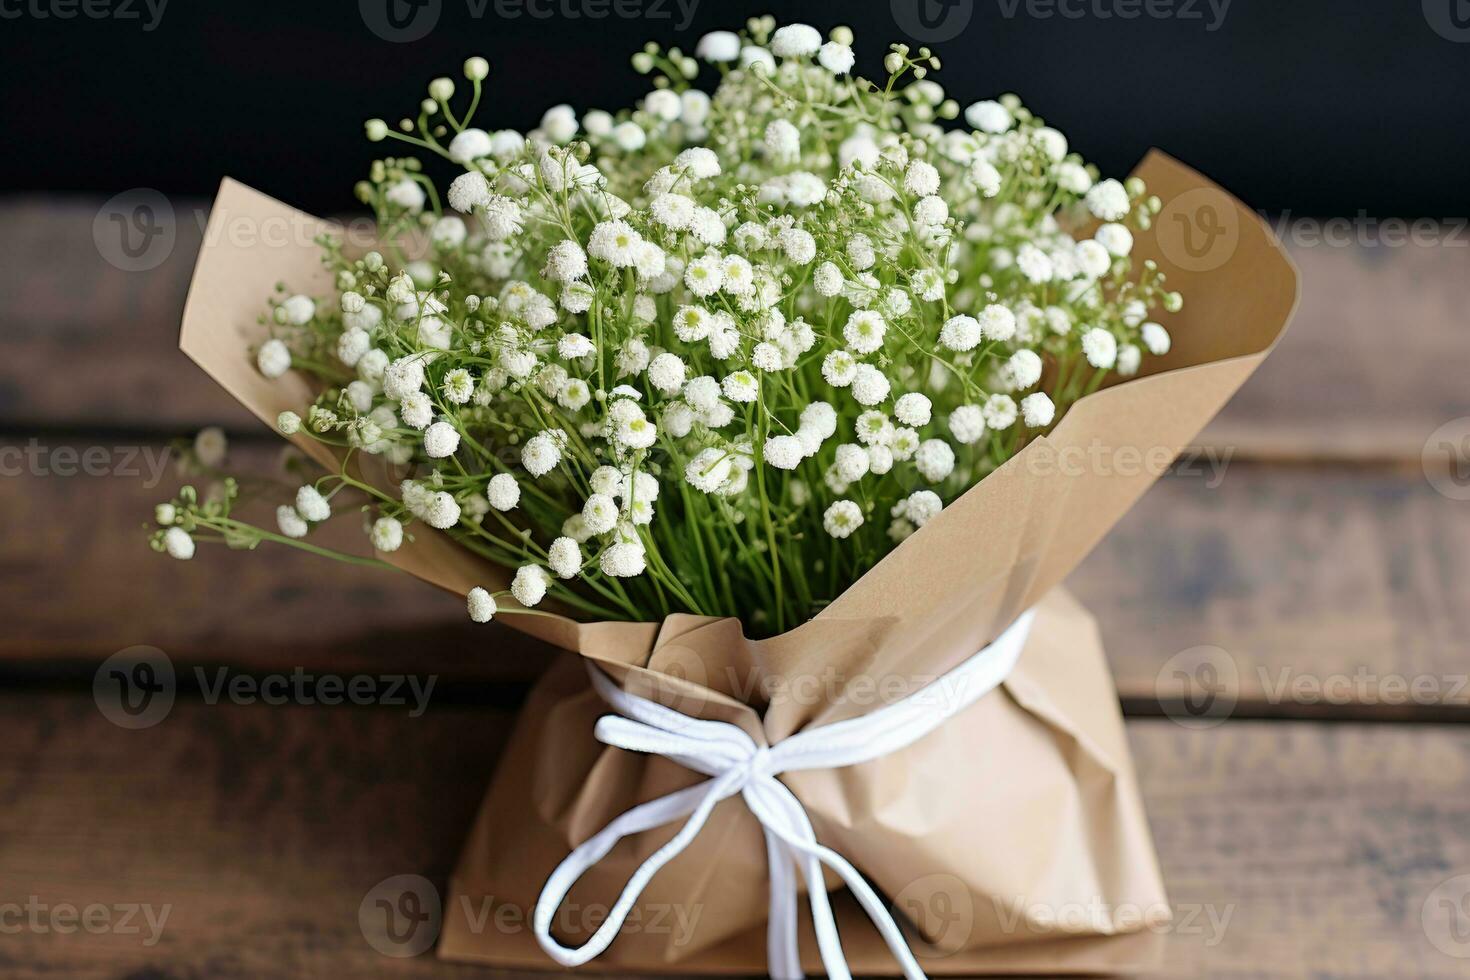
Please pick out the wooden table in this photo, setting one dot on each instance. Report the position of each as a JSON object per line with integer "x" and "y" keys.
{"x": 1321, "y": 830}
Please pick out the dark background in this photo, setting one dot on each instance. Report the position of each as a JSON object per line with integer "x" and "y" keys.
{"x": 1319, "y": 107}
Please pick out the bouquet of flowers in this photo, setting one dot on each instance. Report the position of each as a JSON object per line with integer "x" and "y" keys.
{"x": 733, "y": 358}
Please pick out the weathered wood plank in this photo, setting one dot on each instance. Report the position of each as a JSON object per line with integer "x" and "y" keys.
{"x": 1371, "y": 367}
{"x": 1289, "y": 848}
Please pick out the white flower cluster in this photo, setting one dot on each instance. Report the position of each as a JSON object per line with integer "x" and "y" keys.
{"x": 720, "y": 352}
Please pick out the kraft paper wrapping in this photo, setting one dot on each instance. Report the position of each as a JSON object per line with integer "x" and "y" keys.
{"x": 1013, "y": 839}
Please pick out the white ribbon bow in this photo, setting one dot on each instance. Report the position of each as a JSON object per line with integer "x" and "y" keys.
{"x": 738, "y": 764}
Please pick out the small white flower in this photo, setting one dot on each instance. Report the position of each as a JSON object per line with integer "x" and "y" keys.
{"x": 828, "y": 279}
{"x": 290, "y": 522}
{"x": 416, "y": 410}
{"x": 987, "y": 179}
{"x": 564, "y": 557}
{"x": 709, "y": 470}
{"x": 638, "y": 433}
{"x": 529, "y": 585}
{"x": 960, "y": 332}
{"x": 1093, "y": 259}
{"x": 481, "y": 605}
{"x": 274, "y": 358}
{"x": 1073, "y": 177}
{"x": 821, "y": 418}
{"x": 622, "y": 560}
{"x": 869, "y": 385}
{"x": 468, "y": 191}
{"x": 967, "y": 424}
{"x": 851, "y": 462}
{"x": 311, "y": 505}
{"x": 469, "y": 145}
{"x": 298, "y": 310}
{"x": 1000, "y": 412}
{"x": 403, "y": 377}
{"x": 1024, "y": 368}
{"x": 1100, "y": 348}
{"x": 1034, "y": 264}
{"x": 783, "y": 452}
{"x": 782, "y": 141}
{"x": 629, "y": 136}
{"x": 864, "y": 331}
{"x": 842, "y": 518}
{"x": 704, "y": 275}
{"x": 874, "y": 428}
{"x": 503, "y": 492}
{"x": 1037, "y": 410}
{"x": 766, "y": 357}
{"x": 699, "y": 161}
{"x": 540, "y": 455}
{"x": 1129, "y": 359}
{"x": 921, "y": 179}
{"x": 795, "y": 41}
{"x": 387, "y": 534}
{"x": 1108, "y": 200}
{"x": 913, "y": 409}
{"x": 448, "y": 232}
{"x": 289, "y": 423}
{"x": 353, "y": 344}
{"x": 921, "y": 507}
{"x": 178, "y": 544}
{"x": 989, "y": 117}
{"x": 663, "y": 103}
{"x": 407, "y": 194}
{"x": 798, "y": 245}
{"x": 836, "y": 58}
{"x": 565, "y": 261}
{"x": 757, "y": 60}
{"x": 441, "y": 511}
{"x": 615, "y": 242}
{"x": 741, "y": 387}
{"x": 1114, "y": 237}
{"x": 934, "y": 460}
{"x": 441, "y": 440}
{"x": 997, "y": 322}
{"x": 600, "y": 513}
{"x": 1155, "y": 338}
{"x": 718, "y": 46}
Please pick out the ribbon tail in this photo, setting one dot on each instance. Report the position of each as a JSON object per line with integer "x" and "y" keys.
{"x": 783, "y": 955}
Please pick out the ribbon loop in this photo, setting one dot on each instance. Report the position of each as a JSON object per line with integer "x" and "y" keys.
{"x": 740, "y": 765}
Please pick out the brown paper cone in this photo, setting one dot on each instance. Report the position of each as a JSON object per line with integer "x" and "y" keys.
{"x": 1021, "y": 816}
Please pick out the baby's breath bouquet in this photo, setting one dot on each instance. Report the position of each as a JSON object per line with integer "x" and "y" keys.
{"x": 716, "y": 354}
{"x": 785, "y": 408}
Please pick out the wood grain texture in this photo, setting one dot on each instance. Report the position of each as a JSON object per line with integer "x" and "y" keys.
{"x": 1323, "y": 587}
{"x": 1289, "y": 849}
{"x": 1339, "y": 386}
